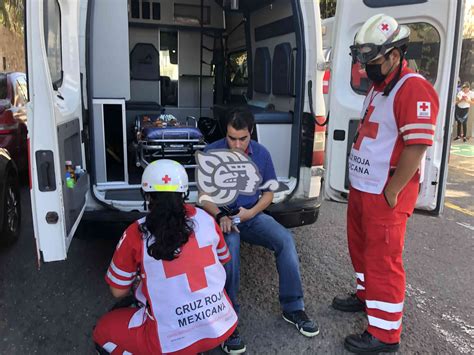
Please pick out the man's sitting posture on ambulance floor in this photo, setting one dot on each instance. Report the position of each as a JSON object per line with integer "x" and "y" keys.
{"x": 259, "y": 228}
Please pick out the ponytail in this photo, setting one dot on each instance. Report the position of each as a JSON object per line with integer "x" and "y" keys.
{"x": 166, "y": 227}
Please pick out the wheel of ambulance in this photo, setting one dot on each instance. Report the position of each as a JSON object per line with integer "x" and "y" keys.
{"x": 10, "y": 230}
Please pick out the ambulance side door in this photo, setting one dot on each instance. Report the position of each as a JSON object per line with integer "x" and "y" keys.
{"x": 55, "y": 123}
{"x": 435, "y": 44}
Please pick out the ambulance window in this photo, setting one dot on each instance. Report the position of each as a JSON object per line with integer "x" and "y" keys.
{"x": 169, "y": 71}
{"x": 52, "y": 40}
{"x": 423, "y": 50}
{"x": 238, "y": 68}
{"x": 422, "y": 56}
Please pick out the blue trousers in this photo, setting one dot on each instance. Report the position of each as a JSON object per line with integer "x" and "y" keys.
{"x": 263, "y": 230}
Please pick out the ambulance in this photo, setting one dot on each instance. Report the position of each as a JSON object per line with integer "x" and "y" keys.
{"x": 110, "y": 79}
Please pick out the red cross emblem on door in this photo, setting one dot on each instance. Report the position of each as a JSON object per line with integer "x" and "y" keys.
{"x": 191, "y": 262}
{"x": 166, "y": 179}
{"x": 384, "y": 27}
{"x": 367, "y": 129}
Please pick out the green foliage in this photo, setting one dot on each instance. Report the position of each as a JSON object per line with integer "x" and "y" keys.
{"x": 327, "y": 8}
{"x": 11, "y": 15}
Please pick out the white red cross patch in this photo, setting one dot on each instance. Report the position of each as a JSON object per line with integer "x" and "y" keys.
{"x": 423, "y": 109}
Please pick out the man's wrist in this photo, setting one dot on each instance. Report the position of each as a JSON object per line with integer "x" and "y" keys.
{"x": 219, "y": 216}
{"x": 391, "y": 191}
{"x": 253, "y": 212}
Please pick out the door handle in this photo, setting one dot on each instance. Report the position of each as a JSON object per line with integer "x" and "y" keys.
{"x": 45, "y": 168}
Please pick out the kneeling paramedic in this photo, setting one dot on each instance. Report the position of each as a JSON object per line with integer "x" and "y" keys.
{"x": 177, "y": 252}
{"x": 385, "y": 170}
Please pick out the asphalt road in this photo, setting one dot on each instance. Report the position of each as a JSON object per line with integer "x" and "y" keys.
{"x": 52, "y": 310}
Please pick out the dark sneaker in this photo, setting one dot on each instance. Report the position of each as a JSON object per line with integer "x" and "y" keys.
{"x": 464, "y": 139}
{"x": 348, "y": 303}
{"x": 234, "y": 344}
{"x": 306, "y": 326}
{"x": 366, "y": 343}
{"x": 100, "y": 350}
{"x": 457, "y": 138}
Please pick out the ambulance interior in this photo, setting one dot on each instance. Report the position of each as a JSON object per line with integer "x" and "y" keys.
{"x": 163, "y": 75}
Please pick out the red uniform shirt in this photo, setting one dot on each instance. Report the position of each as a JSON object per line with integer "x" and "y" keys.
{"x": 408, "y": 106}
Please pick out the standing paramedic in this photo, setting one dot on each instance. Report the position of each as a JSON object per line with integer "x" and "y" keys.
{"x": 385, "y": 170}
{"x": 177, "y": 252}
{"x": 258, "y": 228}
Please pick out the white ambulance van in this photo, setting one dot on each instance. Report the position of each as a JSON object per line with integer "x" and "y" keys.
{"x": 116, "y": 84}
{"x": 110, "y": 79}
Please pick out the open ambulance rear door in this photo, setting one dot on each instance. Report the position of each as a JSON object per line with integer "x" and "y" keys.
{"x": 435, "y": 43}
{"x": 55, "y": 122}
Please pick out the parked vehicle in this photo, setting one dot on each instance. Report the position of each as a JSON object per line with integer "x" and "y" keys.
{"x": 13, "y": 130}
{"x": 101, "y": 74}
{"x": 10, "y": 205}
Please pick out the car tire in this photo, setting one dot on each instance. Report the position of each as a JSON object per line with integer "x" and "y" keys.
{"x": 10, "y": 231}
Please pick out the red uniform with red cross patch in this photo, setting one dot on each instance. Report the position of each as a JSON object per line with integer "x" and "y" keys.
{"x": 407, "y": 116}
{"x": 185, "y": 307}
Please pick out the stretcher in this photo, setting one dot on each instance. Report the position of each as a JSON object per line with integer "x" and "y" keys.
{"x": 163, "y": 136}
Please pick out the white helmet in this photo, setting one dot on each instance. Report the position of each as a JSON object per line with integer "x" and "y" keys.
{"x": 165, "y": 175}
{"x": 377, "y": 36}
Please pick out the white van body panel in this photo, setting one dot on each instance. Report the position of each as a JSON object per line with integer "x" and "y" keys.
{"x": 110, "y": 69}
{"x": 311, "y": 177}
{"x": 50, "y": 112}
{"x": 345, "y": 103}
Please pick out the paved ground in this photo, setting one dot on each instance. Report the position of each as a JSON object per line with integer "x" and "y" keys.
{"x": 52, "y": 310}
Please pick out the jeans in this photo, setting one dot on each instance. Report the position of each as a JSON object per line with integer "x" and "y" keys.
{"x": 263, "y": 230}
{"x": 464, "y": 129}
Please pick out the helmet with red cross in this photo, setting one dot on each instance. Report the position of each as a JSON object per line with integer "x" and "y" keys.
{"x": 165, "y": 175}
{"x": 378, "y": 36}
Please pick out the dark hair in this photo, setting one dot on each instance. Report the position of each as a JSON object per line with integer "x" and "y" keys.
{"x": 166, "y": 226}
{"x": 240, "y": 118}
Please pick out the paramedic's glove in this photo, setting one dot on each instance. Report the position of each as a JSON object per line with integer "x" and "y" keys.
{"x": 227, "y": 226}
{"x": 390, "y": 197}
{"x": 245, "y": 214}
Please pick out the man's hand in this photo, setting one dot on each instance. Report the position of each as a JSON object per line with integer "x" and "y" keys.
{"x": 245, "y": 214}
{"x": 407, "y": 166}
{"x": 227, "y": 226}
{"x": 391, "y": 197}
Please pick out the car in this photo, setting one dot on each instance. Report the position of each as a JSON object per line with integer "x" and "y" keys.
{"x": 13, "y": 127}
{"x": 10, "y": 204}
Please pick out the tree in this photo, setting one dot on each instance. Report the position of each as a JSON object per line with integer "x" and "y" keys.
{"x": 469, "y": 21}
{"x": 11, "y": 15}
{"x": 327, "y": 8}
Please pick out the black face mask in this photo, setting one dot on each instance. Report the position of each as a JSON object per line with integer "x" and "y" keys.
{"x": 374, "y": 73}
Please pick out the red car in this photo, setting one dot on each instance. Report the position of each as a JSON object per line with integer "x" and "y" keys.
{"x": 13, "y": 130}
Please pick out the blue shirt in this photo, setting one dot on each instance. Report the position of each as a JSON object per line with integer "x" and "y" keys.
{"x": 261, "y": 157}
